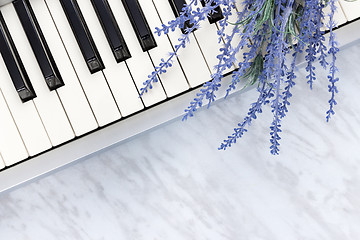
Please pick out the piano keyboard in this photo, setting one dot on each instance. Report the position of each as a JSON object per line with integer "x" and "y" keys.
{"x": 72, "y": 70}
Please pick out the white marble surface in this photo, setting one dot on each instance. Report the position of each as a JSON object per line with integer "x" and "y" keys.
{"x": 173, "y": 184}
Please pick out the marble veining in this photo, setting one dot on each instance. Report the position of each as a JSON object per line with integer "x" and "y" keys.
{"x": 173, "y": 184}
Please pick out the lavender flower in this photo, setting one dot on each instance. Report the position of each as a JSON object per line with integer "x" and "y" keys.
{"x": 272, "y": 31}
{"x": 333, "y": 69}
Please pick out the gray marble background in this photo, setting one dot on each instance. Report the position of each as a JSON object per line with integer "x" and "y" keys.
{"x": 173, "y": 184}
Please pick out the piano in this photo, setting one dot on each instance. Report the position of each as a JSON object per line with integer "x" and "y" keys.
{"x": 71, "y": 72}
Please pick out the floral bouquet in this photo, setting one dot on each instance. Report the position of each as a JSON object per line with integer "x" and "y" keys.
{"x": 272, "y": 32}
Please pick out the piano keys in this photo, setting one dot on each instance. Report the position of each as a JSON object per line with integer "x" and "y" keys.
{"x": 139, "y": 75}
{"x": 12, "y": 147}
{"x": 14, "y": 64}
{"x": 174, "y": 81}
{"x": 82, "y": 35}
{"x": 193, "y": 63}
{"x": 48, "y": 106}
{"x": 38, "y": 44}
{"x": 102, "y": 69}
{"x": 140, "y": 25}
{"x": 111, "y": 30}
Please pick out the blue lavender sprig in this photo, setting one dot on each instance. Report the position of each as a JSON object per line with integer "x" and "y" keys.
{"x": 309, "y": 24}
{"x": 319, "y": 35}
{"x": 256, "y": 108}
{"x": 290, "y": 76}
{"x": 333, "y": 69}
{"x": 226, "y": 60}
{"x": 267, "y": 29}
{"x": 194, "y": 17}
{"x": 279, "y": 50}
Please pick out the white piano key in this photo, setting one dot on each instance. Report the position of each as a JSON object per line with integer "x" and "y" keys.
{"x": 207, "y": 38}
{"x": 173, "y": 80}
{"x": 239, "y": 6}
{"x": 71, "y": 95}
{"x": 47, "y": 103}
{"x": 94, "y": 85}
{"x": 117, "y": 74}
{"x": 12, "y": 147}
{"x": 351, "y": 9}
{"x": 2, "y": 163}
{"x": 25, "y": 116}
{"x": 139, "y": 64}
{"x": 191, "y": 58}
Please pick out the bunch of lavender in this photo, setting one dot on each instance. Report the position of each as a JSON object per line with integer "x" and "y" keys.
{"x": 271, "y": 31}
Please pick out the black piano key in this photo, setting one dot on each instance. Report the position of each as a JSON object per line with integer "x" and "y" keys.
{"x": 112, "y": 30}
{"x": 14, "y": 64}
{"x": 82, "y": 35}
{"x": 177, "y": 6}
{"x": 38, "y": 44}
{"x": 216, "y": 15}
{"x": 140, "y": 25}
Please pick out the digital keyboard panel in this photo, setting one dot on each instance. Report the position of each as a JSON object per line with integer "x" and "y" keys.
{"x": 70, "y": 67}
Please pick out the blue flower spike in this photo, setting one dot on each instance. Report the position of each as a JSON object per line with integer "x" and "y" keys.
{"x": 271, "y": 31}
